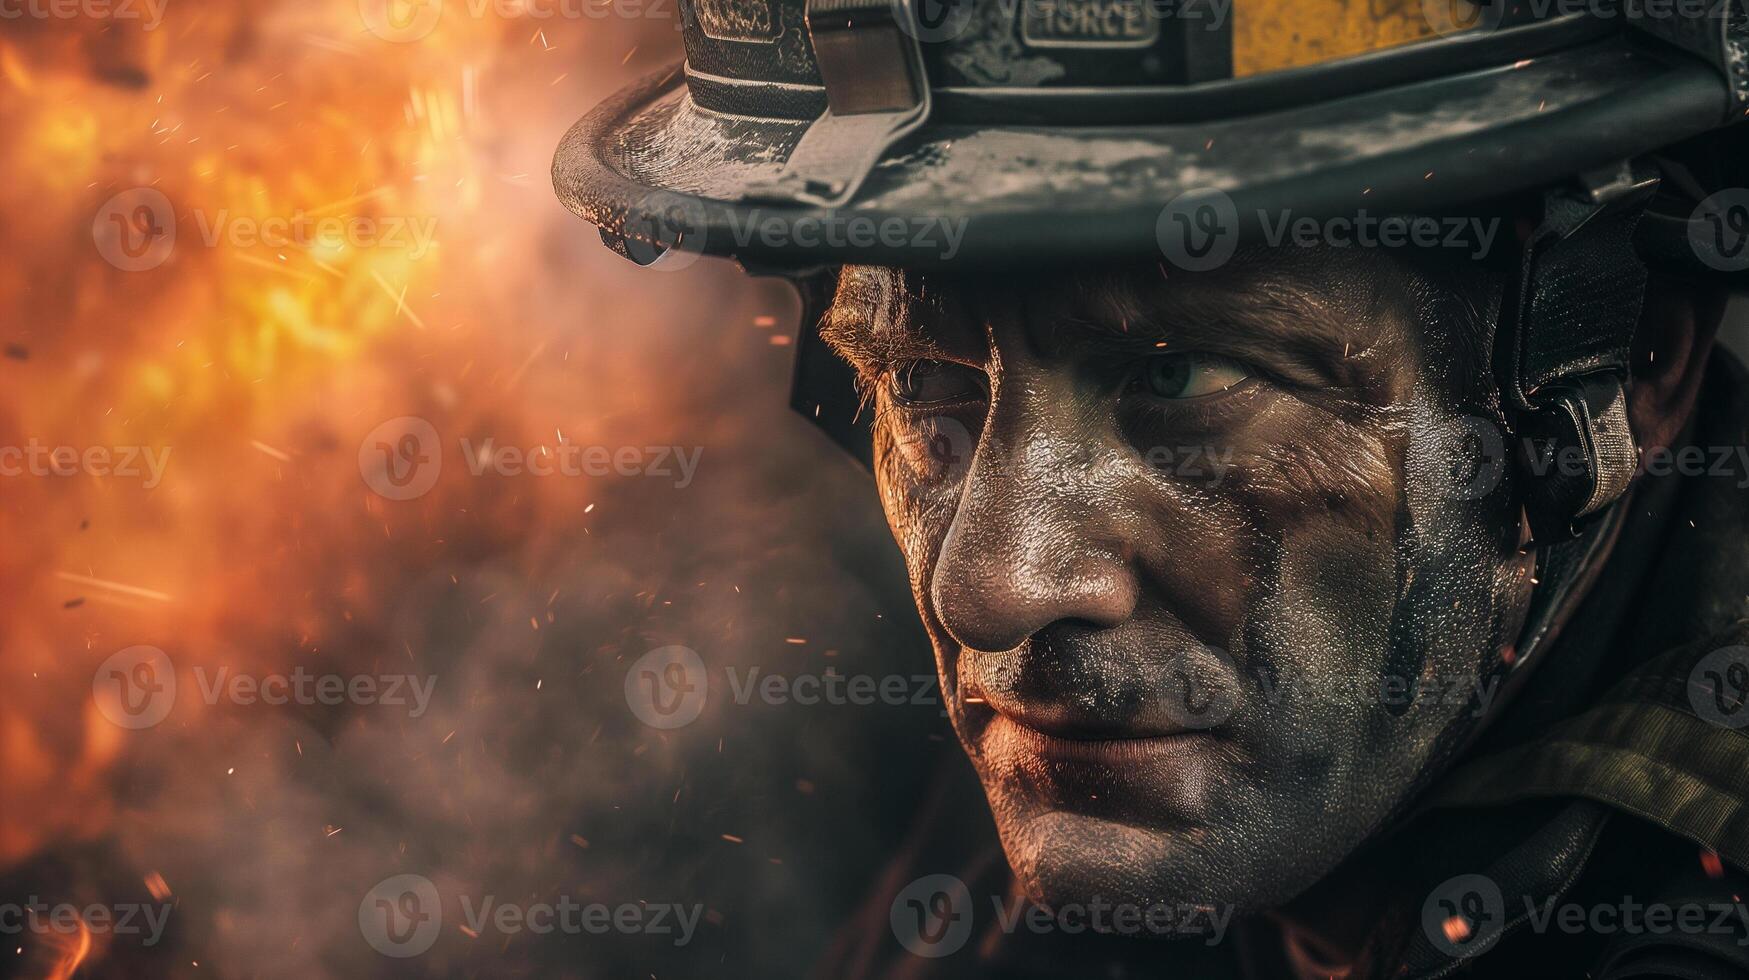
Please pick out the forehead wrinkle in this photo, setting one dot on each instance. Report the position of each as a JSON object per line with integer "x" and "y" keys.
{"x": 1141, "y": 308}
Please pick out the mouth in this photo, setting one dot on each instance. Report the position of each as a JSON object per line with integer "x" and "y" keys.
{"x": 1096, "y": 740}
{"x": 1006, "y": 736}
{"x": 1048, "y": 728}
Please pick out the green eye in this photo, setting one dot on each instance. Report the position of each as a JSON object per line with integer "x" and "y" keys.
{"x": 1190, "y": 375}
{"x": 934, "y": 382}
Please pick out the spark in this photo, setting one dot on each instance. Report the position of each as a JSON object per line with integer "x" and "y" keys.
{"x": 121, "y": 587}
{"x": 278, "y": 267}
{"x": 278, "y": 454}
{"x": 399, "y": 298}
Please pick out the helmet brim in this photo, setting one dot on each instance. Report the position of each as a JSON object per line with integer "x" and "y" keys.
{"x": 650, "y": 160}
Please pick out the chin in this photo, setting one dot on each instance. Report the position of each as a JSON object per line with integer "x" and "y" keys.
{"x": 1067, "y": 856}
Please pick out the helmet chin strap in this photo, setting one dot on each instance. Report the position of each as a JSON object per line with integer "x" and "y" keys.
{"x": 1561, "y": 359}
{"x": 1565, "y": 571}
{"x": 1561, "y": 348}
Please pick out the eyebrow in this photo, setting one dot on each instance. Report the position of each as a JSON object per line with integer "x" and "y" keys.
{"x": 1301, "y": 331}
{"x": 874, "y": 319}
{"x": 1253, "y": 316}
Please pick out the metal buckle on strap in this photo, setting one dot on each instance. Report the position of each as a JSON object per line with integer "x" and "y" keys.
{"x": 876, "y": 93}
{"x": 1562, "y": 360}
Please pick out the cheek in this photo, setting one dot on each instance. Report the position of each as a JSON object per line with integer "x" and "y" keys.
{"x": 1382, "y": 598}
{"x": 1290, "y": 525}
{"x": 918, "y": 466}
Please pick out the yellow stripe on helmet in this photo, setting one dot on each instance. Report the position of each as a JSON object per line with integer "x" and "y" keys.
{"x": 1270, "y": 35}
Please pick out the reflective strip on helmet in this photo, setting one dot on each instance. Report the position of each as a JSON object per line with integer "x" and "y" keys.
{"x": 1270, "y": 35}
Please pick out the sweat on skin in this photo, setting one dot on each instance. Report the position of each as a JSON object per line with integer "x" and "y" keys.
{"x": 1058, "y": 573}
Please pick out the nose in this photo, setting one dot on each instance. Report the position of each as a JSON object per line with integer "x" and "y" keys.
{"x": 1041, "y": 533}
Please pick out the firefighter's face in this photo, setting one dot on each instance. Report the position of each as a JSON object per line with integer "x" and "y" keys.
{"x": 1211, "y": 563}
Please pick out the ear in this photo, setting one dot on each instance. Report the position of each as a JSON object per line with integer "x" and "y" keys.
{"x": 1671, "y": 345}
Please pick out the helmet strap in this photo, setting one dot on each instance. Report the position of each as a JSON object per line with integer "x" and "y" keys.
{"x": 1561, "y": 349}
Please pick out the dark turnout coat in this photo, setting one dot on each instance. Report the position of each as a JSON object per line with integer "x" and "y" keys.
{"x": 1599, "y": 828}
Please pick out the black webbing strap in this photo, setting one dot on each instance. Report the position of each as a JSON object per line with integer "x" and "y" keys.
{"x": 1561, "y": 355}
{"x": 876, "y": 93}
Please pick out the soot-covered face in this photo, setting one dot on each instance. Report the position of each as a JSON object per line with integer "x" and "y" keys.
{"x": 1216, "y": 567}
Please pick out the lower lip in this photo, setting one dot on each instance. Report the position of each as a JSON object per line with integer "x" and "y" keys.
{"x": 1006, "y": 736}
